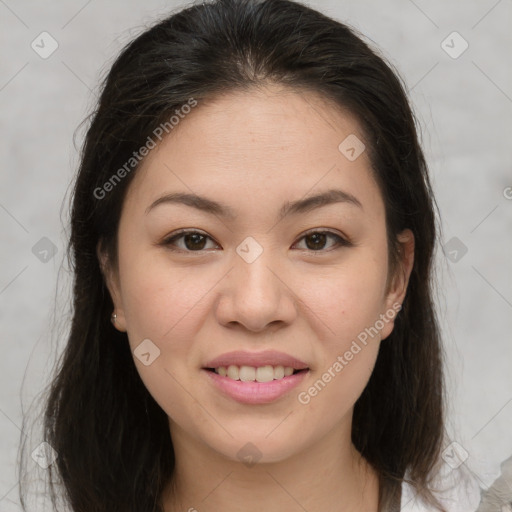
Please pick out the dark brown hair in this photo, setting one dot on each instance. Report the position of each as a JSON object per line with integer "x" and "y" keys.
{"x": 112, "y": 439}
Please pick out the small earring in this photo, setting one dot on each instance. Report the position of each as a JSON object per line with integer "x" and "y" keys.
{"x": 113, "y": 318}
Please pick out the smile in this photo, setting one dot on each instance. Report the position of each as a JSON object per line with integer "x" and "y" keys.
{"x": 265, "y": 373}
{"x": 251, "y": 391}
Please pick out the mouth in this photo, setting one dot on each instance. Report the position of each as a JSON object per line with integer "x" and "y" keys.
{"x": 260, "y": 374}
{"x": 254, "y": 386}
{"x": 255, "y": 377}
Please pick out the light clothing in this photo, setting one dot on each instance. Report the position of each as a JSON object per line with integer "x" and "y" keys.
{"x": 456, "y": 489}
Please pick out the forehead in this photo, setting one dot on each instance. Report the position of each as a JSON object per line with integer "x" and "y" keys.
{"x": 273, "y": 116}
{"x": 262, "y": 142}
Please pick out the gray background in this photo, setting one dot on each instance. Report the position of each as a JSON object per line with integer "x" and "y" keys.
{"x": 463, "y": 106}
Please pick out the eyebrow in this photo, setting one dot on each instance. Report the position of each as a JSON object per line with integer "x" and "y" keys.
{"x": 289, "y": 208}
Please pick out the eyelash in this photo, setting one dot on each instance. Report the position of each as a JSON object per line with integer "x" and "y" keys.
{"x": 168, "y": 242}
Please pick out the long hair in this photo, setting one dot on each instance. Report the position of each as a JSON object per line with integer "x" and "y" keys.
{"x": 112, "y": 439}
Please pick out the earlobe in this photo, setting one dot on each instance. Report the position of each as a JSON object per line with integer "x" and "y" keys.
{"x": 117, "y": 318}
{"x": 400, "y": 282}
{"x": 406, "y": 263}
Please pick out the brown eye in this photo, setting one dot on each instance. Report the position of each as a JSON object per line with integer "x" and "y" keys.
{"x": 192, "y": 241}
{"x": 195, "y": 241}
{"x": 316, "y": 240}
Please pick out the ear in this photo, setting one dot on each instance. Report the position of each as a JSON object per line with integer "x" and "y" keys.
{"x": 111, "y": 279}
{"x": 398, "y": 286}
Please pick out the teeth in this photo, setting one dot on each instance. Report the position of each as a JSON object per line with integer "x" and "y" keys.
{"x": 233, "y": 372}
{"x": 249, "y": 373}
{"x": 279, "y": 372}
{"x": 264, "y": 374}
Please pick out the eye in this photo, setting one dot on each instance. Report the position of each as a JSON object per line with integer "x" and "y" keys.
{"x": 195, "y": 241}
{"x": 316, "y": 240}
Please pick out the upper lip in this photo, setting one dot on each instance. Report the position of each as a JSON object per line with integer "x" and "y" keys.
{"x": 256, "y": 359}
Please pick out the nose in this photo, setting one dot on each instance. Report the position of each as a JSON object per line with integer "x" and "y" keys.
{"x": 256, "y": 295}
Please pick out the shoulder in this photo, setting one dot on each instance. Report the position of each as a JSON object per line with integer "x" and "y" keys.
{"x": 457, "y": 490}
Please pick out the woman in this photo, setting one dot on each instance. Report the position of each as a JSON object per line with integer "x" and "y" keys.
{"x": 252, "y": 236}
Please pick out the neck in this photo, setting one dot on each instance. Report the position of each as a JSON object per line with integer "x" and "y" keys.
{"x": 317, "y": 479}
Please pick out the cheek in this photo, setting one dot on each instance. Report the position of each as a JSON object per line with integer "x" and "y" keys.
{"x": 164, "y": 304}
{"x": 160, "y": 300}
{"x": 337, "y": 387}
{"x": 347, "y": 299}
{"x": 349, "y": 303}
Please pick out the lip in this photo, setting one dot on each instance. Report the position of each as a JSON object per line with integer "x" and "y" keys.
{"x": 254, "y": 393}
{"x": 256, "y": 359}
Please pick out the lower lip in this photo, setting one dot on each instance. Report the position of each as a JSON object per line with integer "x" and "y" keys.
{"x": 256, "y": 392}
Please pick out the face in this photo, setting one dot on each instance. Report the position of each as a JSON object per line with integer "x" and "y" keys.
{"x": 261, "y": 267}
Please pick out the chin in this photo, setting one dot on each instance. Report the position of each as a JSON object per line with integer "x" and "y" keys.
{"x": 253, "y": 446}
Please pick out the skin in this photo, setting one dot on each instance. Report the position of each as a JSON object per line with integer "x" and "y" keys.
{"x": 254, "y": 151}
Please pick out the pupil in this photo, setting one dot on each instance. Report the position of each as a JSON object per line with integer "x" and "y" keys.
{"x": 196, "y": 239}
{"x": 319, "y": 240}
